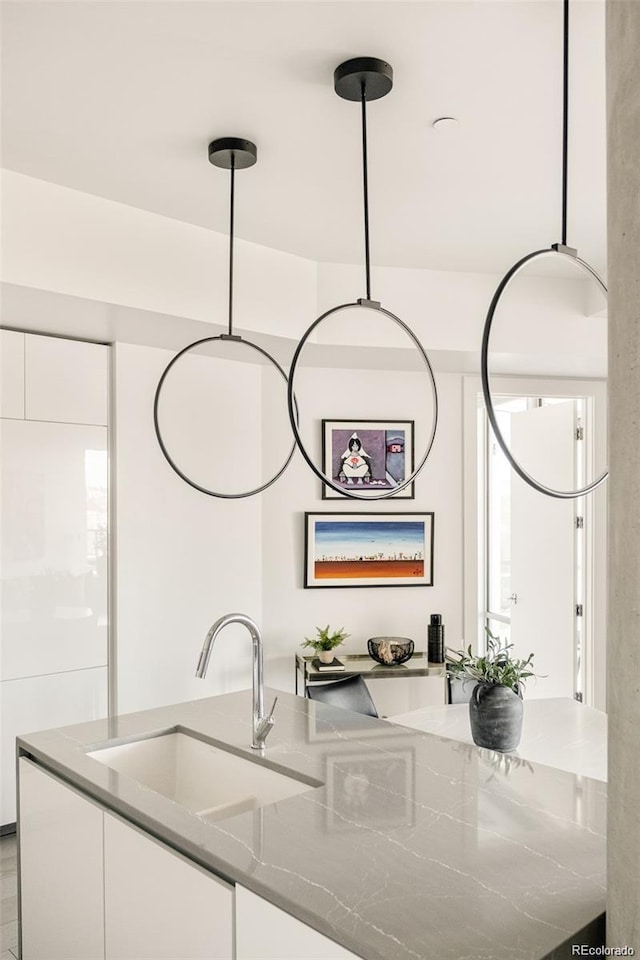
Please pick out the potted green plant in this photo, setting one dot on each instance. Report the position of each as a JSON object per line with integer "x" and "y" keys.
{"x": 325, "y": 642}
{"x": 495, "y": 707}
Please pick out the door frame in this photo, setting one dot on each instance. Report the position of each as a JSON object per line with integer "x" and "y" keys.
{"x": 474, "y": 505}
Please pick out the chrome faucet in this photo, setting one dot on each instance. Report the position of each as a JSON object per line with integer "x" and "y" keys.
{"x": 261, "y": 724}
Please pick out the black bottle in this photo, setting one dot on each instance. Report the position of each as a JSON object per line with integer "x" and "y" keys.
{"x": 435, "y": 638}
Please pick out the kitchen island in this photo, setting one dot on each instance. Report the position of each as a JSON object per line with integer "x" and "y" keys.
{"x": 557, "y": 731}
{"x": 397, "y": 844}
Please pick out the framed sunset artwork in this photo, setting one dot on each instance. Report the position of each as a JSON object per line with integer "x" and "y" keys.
{"x": 368, "y": 550}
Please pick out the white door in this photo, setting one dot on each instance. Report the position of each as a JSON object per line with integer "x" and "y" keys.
{"x": 542, "y": 548}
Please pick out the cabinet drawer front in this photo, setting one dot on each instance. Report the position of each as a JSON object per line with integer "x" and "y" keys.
{"x": 158, "y": 905}
{"x": 264, "y": 932}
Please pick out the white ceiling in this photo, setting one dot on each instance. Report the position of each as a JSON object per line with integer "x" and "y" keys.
{"x": 120, "y": 99}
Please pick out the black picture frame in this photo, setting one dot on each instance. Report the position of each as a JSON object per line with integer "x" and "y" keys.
{"x": 383, "y": 457}
{"x": 368, "y": 549}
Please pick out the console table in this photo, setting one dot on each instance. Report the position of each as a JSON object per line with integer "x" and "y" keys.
{"x": 361, "y": 664}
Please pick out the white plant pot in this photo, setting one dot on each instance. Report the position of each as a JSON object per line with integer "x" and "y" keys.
{"x": 325, "y": 656}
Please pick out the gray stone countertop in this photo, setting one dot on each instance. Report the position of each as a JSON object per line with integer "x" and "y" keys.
{"x": 415, "y": 847}
{"x": 557, "y": 731}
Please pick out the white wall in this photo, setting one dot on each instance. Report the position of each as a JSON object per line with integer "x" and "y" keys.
{"x": 183, "y": 558}
{"x": 291, "y": 612}
{"x": 541, "y": 316}
{"x": 63, "y": 240}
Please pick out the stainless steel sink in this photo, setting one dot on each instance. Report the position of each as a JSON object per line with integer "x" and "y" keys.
{"x": 206, "y": 779}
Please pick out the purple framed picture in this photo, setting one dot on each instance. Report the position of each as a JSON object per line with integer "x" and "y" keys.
{"x": 367, "y": 456}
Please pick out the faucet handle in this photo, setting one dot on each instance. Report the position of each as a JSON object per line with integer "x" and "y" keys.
{"x": 264, "y": 728}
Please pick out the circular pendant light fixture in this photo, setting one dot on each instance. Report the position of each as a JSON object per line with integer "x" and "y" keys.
{"x": 361, "y": 80}
{"x": 228, "y": 153}
{"x": 559, "y": 252}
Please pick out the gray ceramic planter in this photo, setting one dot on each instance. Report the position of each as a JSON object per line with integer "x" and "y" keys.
{"x": 495, "y": 713}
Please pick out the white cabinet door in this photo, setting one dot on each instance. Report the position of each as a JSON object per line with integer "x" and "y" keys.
{"x": 66, "y": 380}
{"x": 60, "y": 870}
{"x": 264, "y": 932}
{"x": 159, "y": 905}
{"x": 38, "y": 703}
{"x": 11, "y": 374}
{"x": 53, "y": 516}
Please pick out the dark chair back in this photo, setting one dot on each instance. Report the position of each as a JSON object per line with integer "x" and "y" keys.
{"x": 459, "y": 689}
{"x": 351, "y": 693}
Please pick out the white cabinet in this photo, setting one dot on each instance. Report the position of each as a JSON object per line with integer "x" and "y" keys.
{"x": 264, "y": 932}
{"x": 11, "y": 374}
{"x": 66, "y": 380}
{"x": 54, "y": 557}
{"x": 159, "y": 905}
{"x": 93, "y": 886}
{"x": 60, "y": 870}
{"x": 53, "y": 547}
{"x": 37, "y": 703}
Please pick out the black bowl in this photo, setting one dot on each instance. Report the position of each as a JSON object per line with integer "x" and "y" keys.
{"x": 390, "y": 651}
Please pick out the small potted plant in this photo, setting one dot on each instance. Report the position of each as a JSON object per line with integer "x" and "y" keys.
{"x": 495, "y": 707}
{"x": 325, "y": 642}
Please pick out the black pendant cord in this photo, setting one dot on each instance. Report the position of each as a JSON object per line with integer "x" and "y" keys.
{"x": 557, "y": 249}
{"x": 365, "y": 185}
{"x": 226, "y": 153}
{"x": 360, "y": 79}
{"x": 565, "y": 121}
{"x": 231, "y": 221}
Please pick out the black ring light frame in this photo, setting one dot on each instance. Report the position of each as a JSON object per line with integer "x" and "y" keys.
{"x": 384, "y": 495}
{"x": 556, "y": 250}
{"x": 359, "y": 80}
{"x": 228, "y": 153}
{"x": 519, "y": 469}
